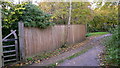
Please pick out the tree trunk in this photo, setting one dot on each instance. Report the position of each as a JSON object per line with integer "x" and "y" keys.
{"x": 68, "y": 25}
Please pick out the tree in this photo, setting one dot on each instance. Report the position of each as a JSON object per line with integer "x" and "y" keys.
{"x": 33, "y": 16}
{"x": 105, "y": 18}
{"x": 80, "y": 13}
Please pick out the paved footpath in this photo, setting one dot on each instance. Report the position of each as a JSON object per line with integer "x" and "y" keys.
{"x": 89, "y": 58}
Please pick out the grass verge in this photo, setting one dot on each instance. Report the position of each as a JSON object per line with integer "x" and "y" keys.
{"x": 96, "y": 33}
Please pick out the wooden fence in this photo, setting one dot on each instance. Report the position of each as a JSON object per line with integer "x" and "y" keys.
{"x": 42, "y": 40}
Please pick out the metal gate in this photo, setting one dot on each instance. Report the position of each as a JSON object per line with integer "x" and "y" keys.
{"x": 10, "y": 48}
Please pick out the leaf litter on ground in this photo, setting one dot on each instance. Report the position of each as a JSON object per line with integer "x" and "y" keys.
{"x": 46, "y": 55}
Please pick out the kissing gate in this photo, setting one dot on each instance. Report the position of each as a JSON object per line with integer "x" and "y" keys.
{"x": 10, "y": 51}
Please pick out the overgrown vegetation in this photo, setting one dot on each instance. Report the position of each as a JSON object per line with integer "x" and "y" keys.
{"x": 34, "y": 17}
{"x": 81, "y": 14}
{"x": 105, "y": 18}
{"x": 10, "y": 16}
{"x": 112, "y": 48}
{"x": 30, "y": 14}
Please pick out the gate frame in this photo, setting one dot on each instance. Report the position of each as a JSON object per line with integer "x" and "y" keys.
{"x": 1, "y": 49}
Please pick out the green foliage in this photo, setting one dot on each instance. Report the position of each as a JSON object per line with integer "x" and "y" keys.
{"x": 58, "y": 10}
{"x": 10, "y": 16}
{"x": 34, "y": 17}
{"x": 112, "y": 48}
{"x": 105, "y": 18}
{"x": 30, "y": 59}
{"x": 80, "y": 13}
{"x": 30, "y": 14}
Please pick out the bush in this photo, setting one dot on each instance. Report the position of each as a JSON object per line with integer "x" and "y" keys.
{"x": 34, "y": 17}
{"x": 112, "y": 48}
{"x": 30, "y": 14}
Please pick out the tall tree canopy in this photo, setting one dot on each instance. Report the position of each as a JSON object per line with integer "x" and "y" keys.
{"x": 60, "y": 10}
{"x": 105, "y": 17}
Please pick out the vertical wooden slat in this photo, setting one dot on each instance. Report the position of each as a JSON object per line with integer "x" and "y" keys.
{"x": 39, "y": 40}
{"x": 21, "y": 40}
{"x": 26, "y": 43}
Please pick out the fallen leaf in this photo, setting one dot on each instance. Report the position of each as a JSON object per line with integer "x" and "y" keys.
{"x": 17, "y": 65}
{"x": 21, "y": 64}
{"x": 38, "y": 61}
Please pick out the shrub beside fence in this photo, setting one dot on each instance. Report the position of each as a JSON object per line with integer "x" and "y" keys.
{"x": 43, "y": 40}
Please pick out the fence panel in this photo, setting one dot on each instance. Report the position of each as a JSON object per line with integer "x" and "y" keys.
{"x": 42, "y": 40}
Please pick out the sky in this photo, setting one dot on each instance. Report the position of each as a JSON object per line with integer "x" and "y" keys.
{"x": 93, "y": 2}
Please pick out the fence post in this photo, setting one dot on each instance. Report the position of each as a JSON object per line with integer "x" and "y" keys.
{"x": 21, "y": 40}
{"x": 1, "y": 49}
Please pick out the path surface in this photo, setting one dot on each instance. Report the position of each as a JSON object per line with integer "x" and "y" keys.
{"x": 89, "y": 58}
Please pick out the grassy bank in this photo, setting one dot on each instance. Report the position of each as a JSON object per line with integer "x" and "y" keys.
{"x": 96, "y": 33}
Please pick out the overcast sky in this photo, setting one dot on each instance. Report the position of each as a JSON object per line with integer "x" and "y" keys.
{"x": 93, "y": 5}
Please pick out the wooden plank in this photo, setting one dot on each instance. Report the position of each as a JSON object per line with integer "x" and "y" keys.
{"x": 9, "y": 55}
{"x": 10, "y": 60}
{"x": 6, "y": 40}
{"x": 8, "y": 46}
{"x": 21, "y": 40}
{"x": 9, "y": 51}
{"x": 1, "y": 49}
{"x": 43, "y": 40}
{"x": 8, "y": 35}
